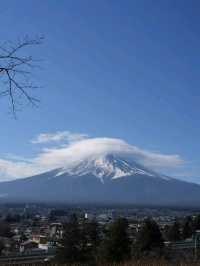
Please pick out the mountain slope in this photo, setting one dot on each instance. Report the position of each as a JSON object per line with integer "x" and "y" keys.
{"x": 103, "y": 179}
{"x": 107, "y": 167}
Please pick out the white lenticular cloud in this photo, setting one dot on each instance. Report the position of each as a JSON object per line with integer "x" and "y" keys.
{"x": 94, "y": 147}
{"x": 79, "y": 148}
{"x": 11, "y": 169}
{"x": 58, "y": 136}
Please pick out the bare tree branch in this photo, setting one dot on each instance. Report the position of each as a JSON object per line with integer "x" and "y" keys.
{"x": 15, "y": 72}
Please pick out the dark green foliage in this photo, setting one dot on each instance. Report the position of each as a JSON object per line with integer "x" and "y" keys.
{"x": 70, "y": 246}
{"x": 166, "y": 232}
{"x": 23, "y": 237}
{"x": 150, "y": 238}
{"x": 188, "y": 228}
{"x": 91, "y": 229}
{"x": 196, "y": 222}
{"x": 15, "y": 218}
{"x": 90, "y": 240}
{"x": 5, "y": 230}
{"x": 57, "y": 213}
{"x": 83, "y": 241}
{"x": 116, "y": 245}
{"x": 1, "y": 247}
{"x": 79, "y": 242}
{"x": 174, "y": 233}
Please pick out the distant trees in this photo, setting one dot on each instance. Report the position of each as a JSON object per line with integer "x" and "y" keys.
{"x": 116, "y": 245}
{"x": 5, "y": 230}
{"x": 15, "y": 218}
{"x": 188, "y": 227}
{"x": 150, "y": 240}
{"x": 70, "y": 246}
{"x": 181, "y": 230}
{"x": 1, "y": 247}
{"x": 196, "y": 222}
{"x": 174, "y": 232}
{"x": 57, "y": 213}
{"x": 92, "y": 234}
{"x": 84, "y": 242}
{"x": 80, "y": 241}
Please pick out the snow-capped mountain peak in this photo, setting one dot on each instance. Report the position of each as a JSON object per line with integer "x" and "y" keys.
{"x": 106, "y": 167}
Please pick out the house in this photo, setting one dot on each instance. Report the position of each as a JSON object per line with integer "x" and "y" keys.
{"x": 28, "y": 246}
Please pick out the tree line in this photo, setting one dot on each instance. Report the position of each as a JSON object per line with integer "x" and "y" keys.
{"x": 89, "y": 242}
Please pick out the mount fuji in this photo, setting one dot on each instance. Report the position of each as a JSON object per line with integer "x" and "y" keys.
{"x": 106, "y": 168}
{"x": 107, "y": 179}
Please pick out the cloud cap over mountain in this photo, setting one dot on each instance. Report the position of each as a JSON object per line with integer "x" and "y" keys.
{"x": 95, "y": 147}
{"x": 78, "y": 148}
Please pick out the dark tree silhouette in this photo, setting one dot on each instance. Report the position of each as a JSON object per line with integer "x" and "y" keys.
{"x": 70, "y": 248}
{"x": 91, "y": 233}
{"x": 15, "y": 72}
{"x": 5, "y": 230}
{"x": 174, "y": 233}
{"x": 150, "y": 239}
{"x": 77, "y": 245}
{"x": 116, "y": 246}
{"x": 196, "y": 223}
{"x": 188, "y": 228}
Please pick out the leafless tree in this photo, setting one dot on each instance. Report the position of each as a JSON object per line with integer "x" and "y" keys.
{"x": 15, "y": 72}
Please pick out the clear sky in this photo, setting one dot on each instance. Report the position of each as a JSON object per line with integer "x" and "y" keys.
{"x": 115, "y": 69}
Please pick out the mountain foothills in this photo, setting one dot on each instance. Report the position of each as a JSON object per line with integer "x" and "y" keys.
{"x": 102, "y": 179}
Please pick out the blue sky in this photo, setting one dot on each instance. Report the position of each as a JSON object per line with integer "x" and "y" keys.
{"x": 115, "y": 69}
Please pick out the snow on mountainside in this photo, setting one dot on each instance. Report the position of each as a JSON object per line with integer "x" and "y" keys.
{"x": 107, "y": 167}
{"x": 102, "y": 178}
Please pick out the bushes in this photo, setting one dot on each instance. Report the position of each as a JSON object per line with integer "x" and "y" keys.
{"x": 149, "y": 240}
{"x": 80, "y": 242}
{"x": 83, "y": 242}
{"x": 116, "y": 246}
